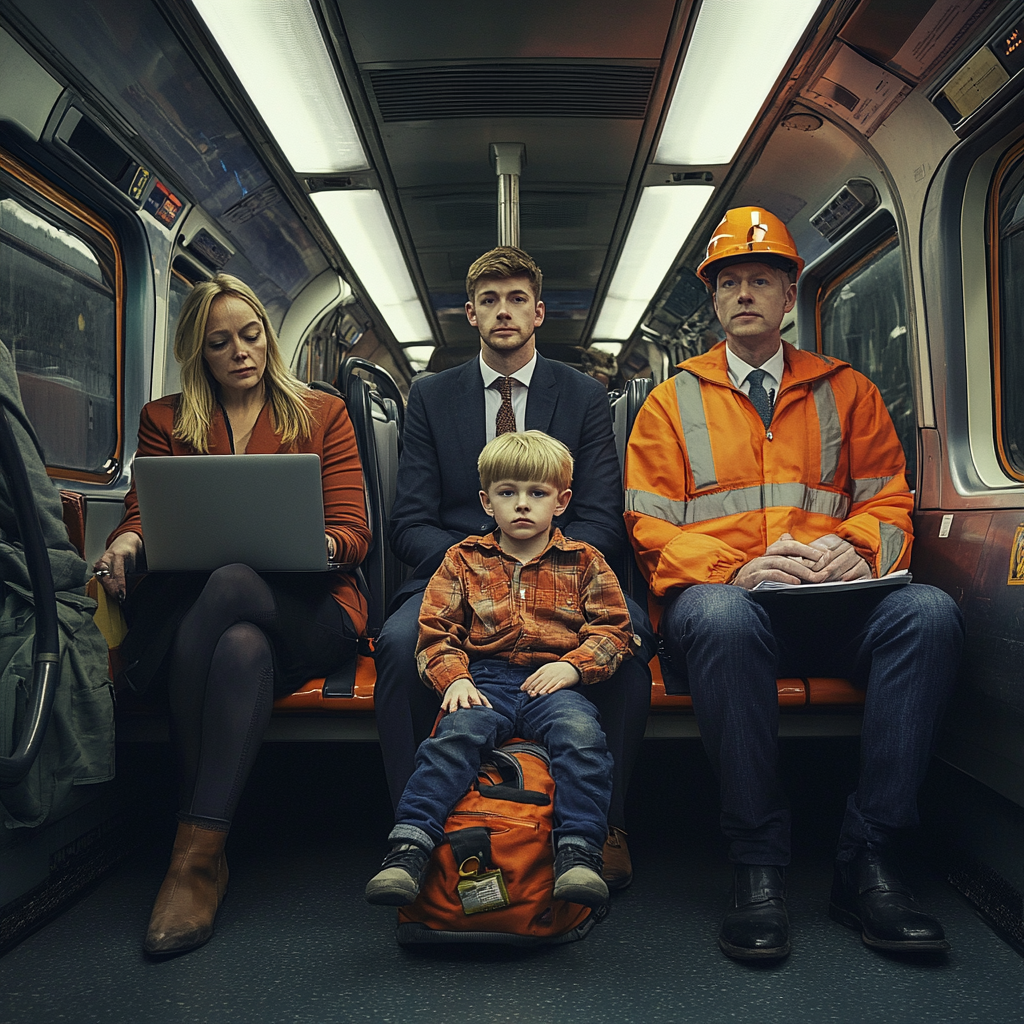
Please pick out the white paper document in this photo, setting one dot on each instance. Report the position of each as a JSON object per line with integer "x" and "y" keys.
{"x": 894, "y": 579}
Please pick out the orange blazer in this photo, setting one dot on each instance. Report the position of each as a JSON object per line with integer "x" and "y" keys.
{"x": 333, "y": 439}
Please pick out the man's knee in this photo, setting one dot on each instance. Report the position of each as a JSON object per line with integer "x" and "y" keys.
{"x": 925, "y": 611}
{"x": 401, "y": 628}
{"x": 395, "y": 650}
{"x": 714, "y": 611}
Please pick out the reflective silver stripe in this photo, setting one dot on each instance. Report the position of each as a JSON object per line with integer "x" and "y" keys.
{"x": 695, "y": 431}
{"x": 868, "y": 487}
{"x": 831, "y": 433}
{"x": 892, "y": 545}
{"x": 743, "y": 499}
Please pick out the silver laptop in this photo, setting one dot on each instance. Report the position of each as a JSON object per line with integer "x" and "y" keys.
{"x": 200, "y": 512}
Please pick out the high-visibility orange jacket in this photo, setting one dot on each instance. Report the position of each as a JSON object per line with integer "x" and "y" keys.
{"x": 708, "y": 488}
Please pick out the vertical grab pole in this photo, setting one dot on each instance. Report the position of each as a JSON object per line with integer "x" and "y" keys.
{"x": 508, "y": 159}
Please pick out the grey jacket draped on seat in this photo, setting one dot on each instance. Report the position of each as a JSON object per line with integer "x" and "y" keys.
{"x": 79, "y": 743}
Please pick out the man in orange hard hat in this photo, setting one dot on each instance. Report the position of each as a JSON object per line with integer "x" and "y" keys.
{"x": 760, "y": 462}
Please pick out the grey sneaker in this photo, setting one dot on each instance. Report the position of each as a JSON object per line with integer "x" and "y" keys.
{"x": 578, "y": 876}
{"x": 398, "y": 881}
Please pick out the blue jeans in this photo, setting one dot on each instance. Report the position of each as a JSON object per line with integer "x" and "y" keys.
{"x": 565, "y": 722}
{"x": 406, "y": 709}
{"x": 902, "y": 645}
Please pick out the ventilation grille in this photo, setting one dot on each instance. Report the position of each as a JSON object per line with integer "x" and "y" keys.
{"x": 558, "y": 265}
{"x": 512, "y": 90}
{"x": 534, "y": 215}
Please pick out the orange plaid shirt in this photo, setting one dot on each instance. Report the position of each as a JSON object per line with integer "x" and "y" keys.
{"x": 563, "y": 605}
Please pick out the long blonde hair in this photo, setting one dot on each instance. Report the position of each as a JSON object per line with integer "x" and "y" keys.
{"x": 194, "y": 414}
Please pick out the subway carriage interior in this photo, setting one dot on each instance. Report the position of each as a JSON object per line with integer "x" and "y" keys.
{"x": 349, "y": 160}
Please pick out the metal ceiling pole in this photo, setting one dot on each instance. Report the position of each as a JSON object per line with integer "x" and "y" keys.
{"x": 508, "y": 159}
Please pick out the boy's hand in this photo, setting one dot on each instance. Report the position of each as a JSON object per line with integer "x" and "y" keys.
{"x": 462, "y": 694}
{"x": 555, "y": 675}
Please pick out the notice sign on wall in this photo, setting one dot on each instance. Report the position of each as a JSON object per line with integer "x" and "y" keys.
{"x": 856, "y": 89}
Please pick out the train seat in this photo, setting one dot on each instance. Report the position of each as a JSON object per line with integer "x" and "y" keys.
{"x": 376, "y": 413}
{"x": 792, "y": 692}
{"x": 348, "y": 689}
{"x": 376, "y": 416}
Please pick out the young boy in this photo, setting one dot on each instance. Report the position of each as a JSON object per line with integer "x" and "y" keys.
{"x": 511, "y": 623}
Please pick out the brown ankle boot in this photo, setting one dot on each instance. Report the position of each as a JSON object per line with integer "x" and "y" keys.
{"x": 192, "y": 891}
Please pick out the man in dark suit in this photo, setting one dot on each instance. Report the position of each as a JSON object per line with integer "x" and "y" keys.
{"x": 450, "y": 417}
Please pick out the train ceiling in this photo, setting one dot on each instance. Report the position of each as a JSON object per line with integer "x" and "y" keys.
{"x": 639, "y": 123}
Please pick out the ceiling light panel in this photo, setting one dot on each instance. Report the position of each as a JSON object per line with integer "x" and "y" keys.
{"x": 738, "y": 51}
{"x": 360, "y": 225}
{"x": 276, "y": 50}
{"x": 663, "y": 221}
{"x": 418, "y": 355}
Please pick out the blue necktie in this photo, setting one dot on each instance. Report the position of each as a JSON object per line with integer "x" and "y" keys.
{"x": 759, "y": 396}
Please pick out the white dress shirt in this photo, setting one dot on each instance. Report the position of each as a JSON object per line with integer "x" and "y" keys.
{"x": 492, "y": 394}
{"x": 739, "y": 373}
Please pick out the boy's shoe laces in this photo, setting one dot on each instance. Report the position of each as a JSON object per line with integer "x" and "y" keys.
{"x": 578, "y": 876}
{"x": 398, "y": 881}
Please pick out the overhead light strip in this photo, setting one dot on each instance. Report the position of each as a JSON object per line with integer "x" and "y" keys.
{"x": 276, "y": 50}
{"x": 360, "y": 225}
{"x": 736, "y": 54}
{"x": 663, "y": 221}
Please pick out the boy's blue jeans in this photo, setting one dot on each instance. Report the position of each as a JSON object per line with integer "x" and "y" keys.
{"x": 565, "y": 722}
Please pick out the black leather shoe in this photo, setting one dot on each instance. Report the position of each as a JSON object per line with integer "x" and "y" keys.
{"x": 757, "y": 926}
{"x": 869, "y": 896}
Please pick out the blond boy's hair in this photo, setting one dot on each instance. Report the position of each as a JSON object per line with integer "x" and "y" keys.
{"x": 504, "y": 262}
{"x": 532, "y": 456}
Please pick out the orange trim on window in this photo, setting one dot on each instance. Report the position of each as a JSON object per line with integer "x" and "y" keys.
{"x": 16, "y": 169}
{"x": 995, "y": 315}
{"x": 825, "y": 291}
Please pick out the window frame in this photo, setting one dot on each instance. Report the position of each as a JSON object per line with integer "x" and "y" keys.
{"x": 1013, "y": 155}
{"x": 842, "y": 274}
{"x": 35, "y": 183}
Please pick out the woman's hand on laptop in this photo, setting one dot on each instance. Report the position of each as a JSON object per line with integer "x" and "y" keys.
{"x": 116, "y": 562}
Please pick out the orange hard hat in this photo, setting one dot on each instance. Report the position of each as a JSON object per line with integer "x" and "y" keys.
{"x": 753, "y": 233}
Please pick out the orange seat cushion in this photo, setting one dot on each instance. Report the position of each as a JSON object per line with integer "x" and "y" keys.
{"x": 833, "y": 691}
{"x": 311, "y": 697}
{"x": 792, "y": 692}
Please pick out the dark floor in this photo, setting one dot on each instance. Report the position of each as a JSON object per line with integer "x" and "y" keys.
{"x": 295, "y": 942}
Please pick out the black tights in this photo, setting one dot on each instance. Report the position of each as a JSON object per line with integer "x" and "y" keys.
{"x": 221, "y": 684}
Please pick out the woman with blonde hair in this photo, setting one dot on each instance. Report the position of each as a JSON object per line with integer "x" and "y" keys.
{"x": 227, "y": 644}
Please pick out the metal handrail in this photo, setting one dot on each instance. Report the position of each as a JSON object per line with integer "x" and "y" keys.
{"x": 46, "y": 652}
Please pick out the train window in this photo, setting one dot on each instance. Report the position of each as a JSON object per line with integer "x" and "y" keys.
{"x": 180, "y": 287}
{"x": 1006, "y": 255}
{"x": 60, "y": 315}
{"x": 862, "y": 318}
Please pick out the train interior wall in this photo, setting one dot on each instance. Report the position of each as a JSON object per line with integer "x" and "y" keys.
{"x": 931, "y": 183}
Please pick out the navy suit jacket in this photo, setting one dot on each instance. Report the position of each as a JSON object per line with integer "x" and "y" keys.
{"x": 437, "y": 501}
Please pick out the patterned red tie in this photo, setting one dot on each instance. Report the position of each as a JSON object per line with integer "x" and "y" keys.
{"x": 505, "y": 423}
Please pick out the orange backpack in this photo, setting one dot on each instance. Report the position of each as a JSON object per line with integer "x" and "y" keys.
{"x": 491, "y": 879}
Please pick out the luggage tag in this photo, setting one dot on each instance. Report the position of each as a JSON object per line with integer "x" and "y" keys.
{"x": 481, "y": 891}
